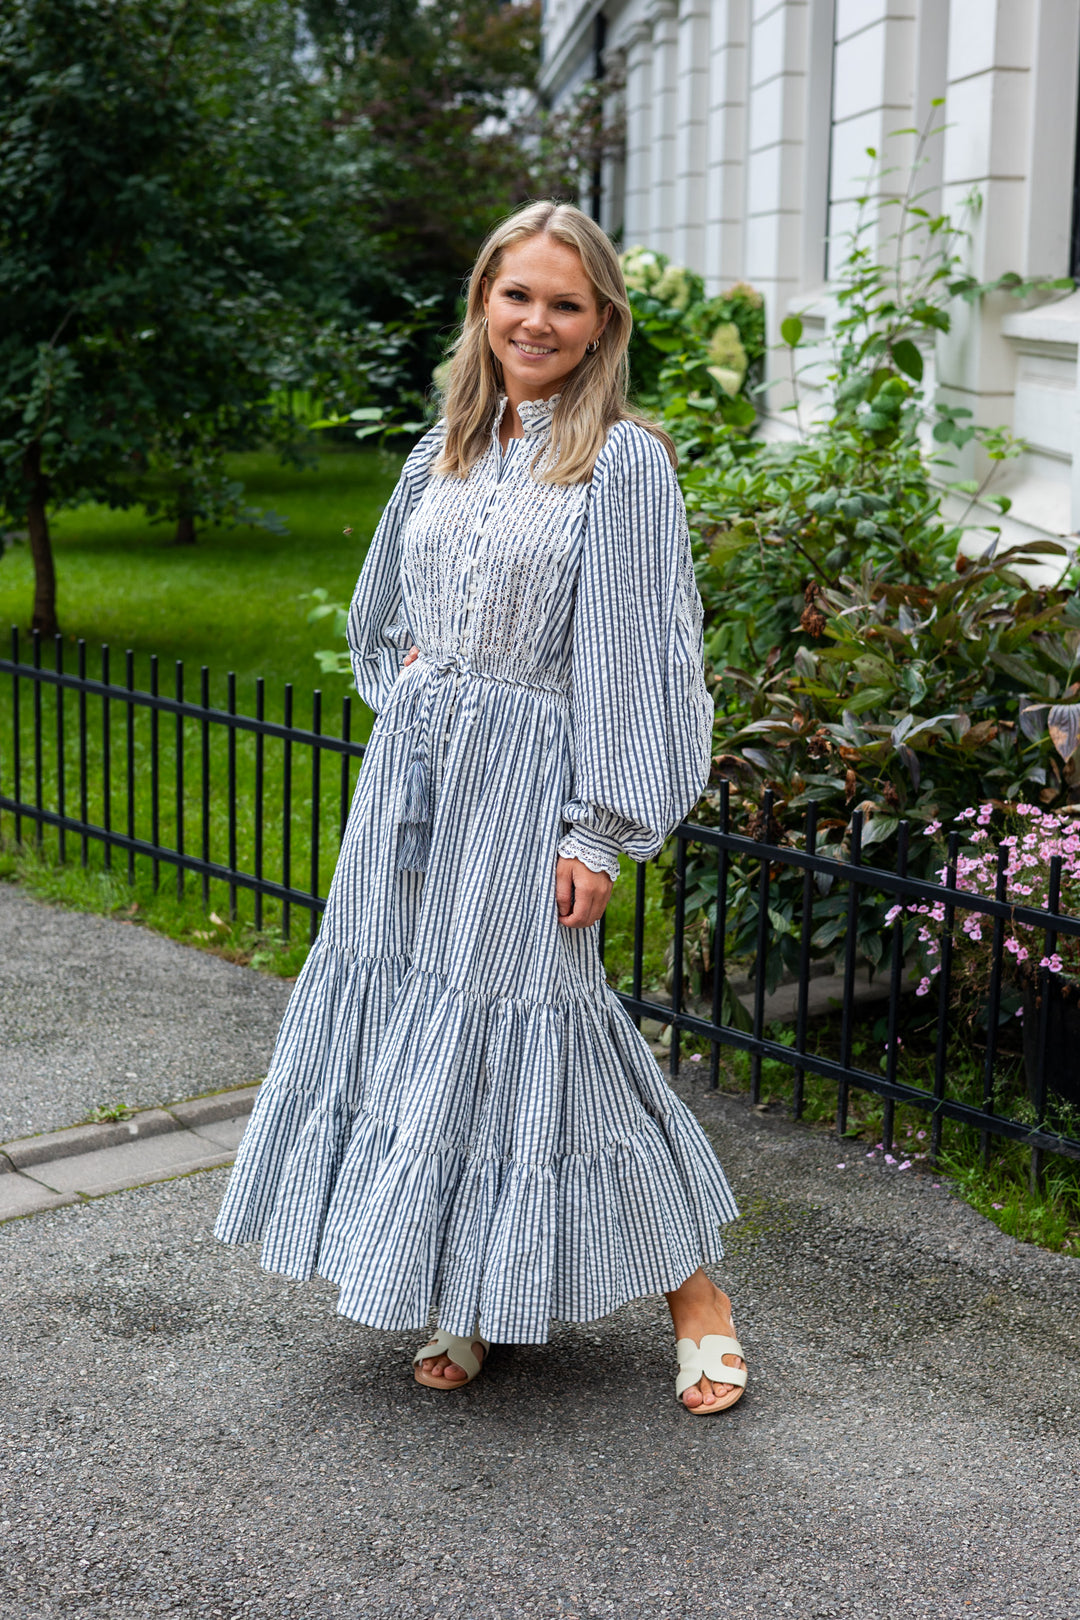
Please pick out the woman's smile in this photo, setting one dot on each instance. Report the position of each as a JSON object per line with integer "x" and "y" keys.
{"x": 533, "y": 350}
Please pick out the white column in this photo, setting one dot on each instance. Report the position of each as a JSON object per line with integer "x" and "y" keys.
{"x": 665, "y": 88}
{"x": 774, "y": 183}
{"x": 874, "y": 68}
{"x": 725, "y": 178}
{"x": 639, "y": 125}
{"x": 691, "y": 133}
{"x": 1052, "y": 140}
{"x": 989, "y": 117}
{"x": 613, "y": 172}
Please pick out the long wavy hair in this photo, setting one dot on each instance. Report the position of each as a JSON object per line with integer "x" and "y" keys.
{"x": 591, "y": 399}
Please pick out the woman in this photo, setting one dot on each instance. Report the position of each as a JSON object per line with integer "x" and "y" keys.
{"x": 460, "y": 1116}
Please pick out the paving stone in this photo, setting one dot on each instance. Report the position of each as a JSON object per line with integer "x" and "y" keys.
{"x": 131, "y": 1165}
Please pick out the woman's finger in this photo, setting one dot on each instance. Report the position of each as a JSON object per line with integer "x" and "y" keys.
{"x": 564, "y": 889}
{"x": 413, "y": 652}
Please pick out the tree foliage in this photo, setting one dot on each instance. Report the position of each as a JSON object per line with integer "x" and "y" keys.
{"x": 158, "y": 204}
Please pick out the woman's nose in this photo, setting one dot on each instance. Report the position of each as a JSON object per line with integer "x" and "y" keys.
{"x": 536, "y": 318}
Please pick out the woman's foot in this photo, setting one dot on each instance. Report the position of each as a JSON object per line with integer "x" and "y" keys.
{"x": 698, "y": 1308}
{"x": 447, "y": 1371}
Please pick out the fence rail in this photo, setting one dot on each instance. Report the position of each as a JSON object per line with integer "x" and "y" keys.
{"x": 213, "y": 771}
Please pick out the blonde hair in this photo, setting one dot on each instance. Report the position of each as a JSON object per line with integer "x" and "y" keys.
{"x": 591, "y": 399}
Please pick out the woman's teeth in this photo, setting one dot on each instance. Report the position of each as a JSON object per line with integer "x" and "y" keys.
{"x": 530, "y": 348}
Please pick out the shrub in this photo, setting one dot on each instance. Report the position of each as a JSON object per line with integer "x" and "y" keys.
{"x": 857, "y": 659}
{"x": 690, "y": 355}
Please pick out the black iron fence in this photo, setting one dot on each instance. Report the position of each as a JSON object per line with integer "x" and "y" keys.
{"x": 177, "y": 783}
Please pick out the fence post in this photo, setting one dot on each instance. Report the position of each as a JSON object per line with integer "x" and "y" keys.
{"x": 944, "y": 989}
{"x": 762, "y": 947}
{"x": 719, "y": 932}
{"x": 847, "y": 1010}
{"x": 61, "y": 796}
{"x": 892, "y": 1054}
{"x": 805, "y": 934}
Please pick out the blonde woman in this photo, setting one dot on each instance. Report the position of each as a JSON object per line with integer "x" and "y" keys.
{"x": 460, "y": 1119}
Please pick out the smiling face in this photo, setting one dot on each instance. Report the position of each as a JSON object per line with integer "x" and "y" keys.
{"x": 542, "y": 313}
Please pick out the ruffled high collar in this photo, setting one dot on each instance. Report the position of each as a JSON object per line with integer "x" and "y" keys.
{"x": 535, "y": 414}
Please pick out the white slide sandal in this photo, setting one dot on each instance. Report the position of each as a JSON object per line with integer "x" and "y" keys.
{"x": 705, "y": 1360}
{"x": 461, "y": 1353}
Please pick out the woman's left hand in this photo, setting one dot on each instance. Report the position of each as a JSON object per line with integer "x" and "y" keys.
{"x": 580, "y": 893}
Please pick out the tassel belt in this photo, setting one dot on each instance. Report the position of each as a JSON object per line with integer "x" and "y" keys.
{"x": 414, "y": 822}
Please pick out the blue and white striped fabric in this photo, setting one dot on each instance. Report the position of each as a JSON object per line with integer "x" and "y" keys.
{"x": 460, "y": 1117}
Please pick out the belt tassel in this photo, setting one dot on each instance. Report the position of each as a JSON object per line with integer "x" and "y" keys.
{"x": 415, "y": 821}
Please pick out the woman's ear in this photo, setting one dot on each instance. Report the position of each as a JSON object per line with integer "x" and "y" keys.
{"x": 485, "y": 292}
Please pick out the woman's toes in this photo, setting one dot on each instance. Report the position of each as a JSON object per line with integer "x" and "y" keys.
{"x": 693, "y": 1397}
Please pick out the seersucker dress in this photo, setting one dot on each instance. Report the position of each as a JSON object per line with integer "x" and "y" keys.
{"x": 460, "y": 1117}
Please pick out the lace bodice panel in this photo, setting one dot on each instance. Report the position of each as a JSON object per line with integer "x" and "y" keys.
{"x": 488, "y": 563}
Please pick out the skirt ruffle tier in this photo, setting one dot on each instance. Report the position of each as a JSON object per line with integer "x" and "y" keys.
{"x": 427, "y": 1148}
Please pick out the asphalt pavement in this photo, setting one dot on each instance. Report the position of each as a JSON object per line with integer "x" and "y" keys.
{"x": 95, "y": 1013}
{"x": 184, "y": 1435}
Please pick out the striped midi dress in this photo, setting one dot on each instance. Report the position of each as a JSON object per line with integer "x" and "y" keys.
{"x": 460, "y": 1118}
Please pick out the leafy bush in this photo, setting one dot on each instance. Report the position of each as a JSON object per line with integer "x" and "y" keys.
{"x": 858, "y": 660}
{"x": 692, "y": 358}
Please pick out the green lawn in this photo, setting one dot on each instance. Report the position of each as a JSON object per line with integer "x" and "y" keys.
{"x": 233, "y": 600}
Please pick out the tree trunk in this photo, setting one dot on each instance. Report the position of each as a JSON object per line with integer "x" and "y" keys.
{"x": 37, "y": 521}
{"x": 185, "y": 517}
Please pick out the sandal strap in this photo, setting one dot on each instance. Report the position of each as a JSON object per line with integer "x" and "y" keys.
{"x": 705, "y": 1360}
{"x": 459, "y": 1350}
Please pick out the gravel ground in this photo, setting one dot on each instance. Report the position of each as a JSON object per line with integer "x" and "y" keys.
{"x": 182, "y": 1435}
{"x": 95, "y": 1012}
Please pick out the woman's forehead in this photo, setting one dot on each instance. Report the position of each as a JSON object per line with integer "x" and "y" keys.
{"x": 542, "y": 258}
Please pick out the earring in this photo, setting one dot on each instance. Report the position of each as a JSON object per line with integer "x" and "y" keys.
{"x": 591, "y": 348}
{"x": 483, "y": 323}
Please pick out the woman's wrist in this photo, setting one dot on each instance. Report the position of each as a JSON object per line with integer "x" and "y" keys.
{"x": 592, "y": 849}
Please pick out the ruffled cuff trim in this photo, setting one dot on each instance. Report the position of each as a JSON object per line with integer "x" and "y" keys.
{"x": 579, "y": 846}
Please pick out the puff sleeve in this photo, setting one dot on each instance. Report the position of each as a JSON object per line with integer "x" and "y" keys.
{"x": 377, "y": 633}
{"x": 641, "y": 715}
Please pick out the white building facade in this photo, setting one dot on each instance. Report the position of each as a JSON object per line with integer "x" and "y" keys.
{"x": 747, "y": 124}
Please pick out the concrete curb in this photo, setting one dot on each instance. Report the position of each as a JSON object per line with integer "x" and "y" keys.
{"x": 87, "y": 1161}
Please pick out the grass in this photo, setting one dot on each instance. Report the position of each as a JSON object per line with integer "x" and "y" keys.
{"x": 233, "y": 600}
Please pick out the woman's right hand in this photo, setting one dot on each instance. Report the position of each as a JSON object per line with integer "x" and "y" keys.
{"x": 412, "y": 654}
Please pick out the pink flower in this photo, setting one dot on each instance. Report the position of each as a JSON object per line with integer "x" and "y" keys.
{"x": 920, "y": 1136}
{"x": 695, "y": 1057}
{"x": 923, "y": 987}
{"x": 905, "y": 1166}
{"x": 997, "y": 1206}
{"x": 931, "y": 828}
{"x": 1054, "y": 963}
{"x": 889, "y": 1159}
{"x": 841, "y": 1167}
